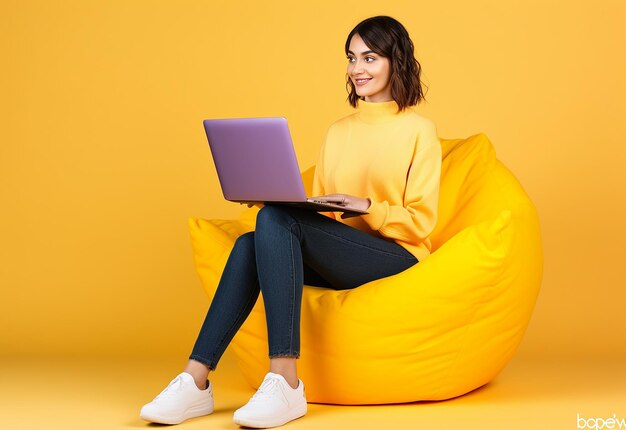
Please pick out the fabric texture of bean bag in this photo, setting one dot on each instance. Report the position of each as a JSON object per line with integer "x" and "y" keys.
{"x": 440, "y": 329}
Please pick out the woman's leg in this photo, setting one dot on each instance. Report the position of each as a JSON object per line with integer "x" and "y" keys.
{"x": 192, "y": 396}
{"x": 234, "y": 298}
{"x": 289, "y": 247}
{"x": 293, "y": 243}
{"x": 199, "y": 371}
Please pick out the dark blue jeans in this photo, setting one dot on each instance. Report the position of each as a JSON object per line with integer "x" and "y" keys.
{"x": 289, "y": 248}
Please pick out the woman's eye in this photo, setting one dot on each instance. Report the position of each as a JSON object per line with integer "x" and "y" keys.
{"x": 351, "y": 59}
{"x": 369, "y": 59}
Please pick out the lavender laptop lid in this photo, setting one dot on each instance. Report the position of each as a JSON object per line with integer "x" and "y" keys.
{"x": 255, "y": 160}
{"x": 256, "y": 163}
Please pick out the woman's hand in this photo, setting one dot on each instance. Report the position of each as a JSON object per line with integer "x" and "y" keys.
{"x": 258, "y": 205}
{"x": 346, "y": 200}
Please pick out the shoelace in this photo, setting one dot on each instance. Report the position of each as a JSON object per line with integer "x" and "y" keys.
{"x": 268, "y": 388}
{"x": 173, "y": 387}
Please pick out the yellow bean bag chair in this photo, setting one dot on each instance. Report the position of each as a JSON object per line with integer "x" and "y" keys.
{"x": 438, "y": 330}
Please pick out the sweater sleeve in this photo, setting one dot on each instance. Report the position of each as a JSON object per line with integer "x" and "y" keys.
{"x": 416, "y": 218}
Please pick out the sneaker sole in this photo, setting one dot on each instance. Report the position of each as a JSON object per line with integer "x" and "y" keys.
{"x": 261, "y": 424}
{"x": 193, "y": 412}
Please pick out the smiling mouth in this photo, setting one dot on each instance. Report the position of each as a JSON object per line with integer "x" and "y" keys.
{"x": 361, "y": 82}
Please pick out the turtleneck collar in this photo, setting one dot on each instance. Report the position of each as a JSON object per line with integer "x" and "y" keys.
{"x": 377, "y": 112}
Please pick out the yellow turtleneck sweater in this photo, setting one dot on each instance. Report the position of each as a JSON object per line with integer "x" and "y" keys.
{"x": 392, "y": 158}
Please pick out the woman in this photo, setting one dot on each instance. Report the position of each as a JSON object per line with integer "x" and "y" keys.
{"x": 385, "y": 159}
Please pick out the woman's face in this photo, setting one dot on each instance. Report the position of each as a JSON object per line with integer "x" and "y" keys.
{"x": 368, "y": 71}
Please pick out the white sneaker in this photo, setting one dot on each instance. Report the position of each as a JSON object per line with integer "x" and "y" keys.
{"x": 274, "y": 404}
{"x": 180, "y": 400}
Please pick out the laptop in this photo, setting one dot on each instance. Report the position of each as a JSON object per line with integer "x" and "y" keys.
{"x": 256, "y": 163}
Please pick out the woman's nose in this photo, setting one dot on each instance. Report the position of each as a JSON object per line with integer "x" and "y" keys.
{"x": 358, "y": 68}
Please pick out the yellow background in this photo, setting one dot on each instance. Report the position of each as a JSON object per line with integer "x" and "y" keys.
{"x": 103, "y": 156}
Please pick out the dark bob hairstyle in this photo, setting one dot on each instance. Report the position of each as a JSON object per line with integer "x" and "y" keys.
{"x": 388, "y": 38}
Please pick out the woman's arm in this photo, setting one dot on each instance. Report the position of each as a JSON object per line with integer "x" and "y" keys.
{"x": 416, "y": 218}
{"x": 353, "y": 202}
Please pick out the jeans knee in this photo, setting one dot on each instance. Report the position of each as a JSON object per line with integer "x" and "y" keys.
{"x": 270, "y": 215}
{"x": 272, "y": 219}
{"x": 245, "y": 242}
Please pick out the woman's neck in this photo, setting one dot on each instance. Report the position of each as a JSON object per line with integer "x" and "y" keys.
{"x": 372, "y": 112}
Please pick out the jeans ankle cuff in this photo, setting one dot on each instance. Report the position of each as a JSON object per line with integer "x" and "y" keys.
{"x": 207, "y": 363}
{"x": 285, "y": 355}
